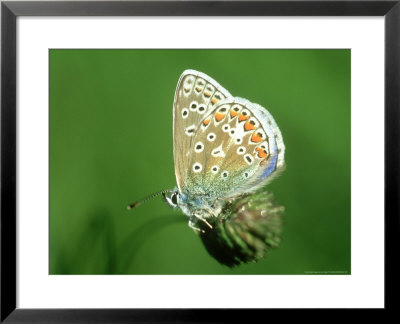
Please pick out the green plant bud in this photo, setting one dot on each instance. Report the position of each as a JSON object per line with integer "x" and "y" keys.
{"x": 245, "y": 230}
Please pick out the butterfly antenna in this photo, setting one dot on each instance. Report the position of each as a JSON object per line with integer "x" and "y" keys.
{"x": 141, "y": 201}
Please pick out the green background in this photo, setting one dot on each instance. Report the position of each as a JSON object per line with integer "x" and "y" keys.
{"x": 111, "y": 144}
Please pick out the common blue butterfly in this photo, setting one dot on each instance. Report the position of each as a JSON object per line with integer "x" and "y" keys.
{"x": 226, "y": 149}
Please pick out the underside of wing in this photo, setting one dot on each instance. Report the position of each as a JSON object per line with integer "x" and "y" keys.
{"x": 196, "y": 95}
{"x": 237, "y": 149}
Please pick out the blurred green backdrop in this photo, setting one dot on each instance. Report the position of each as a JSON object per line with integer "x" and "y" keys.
{"x": 111, "y": 109}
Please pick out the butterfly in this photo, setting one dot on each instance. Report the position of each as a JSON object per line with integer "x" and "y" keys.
{"x": 225, "y": 149}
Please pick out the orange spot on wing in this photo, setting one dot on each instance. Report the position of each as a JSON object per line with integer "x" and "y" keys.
{"x": 243, "y": 117}
{"x": 214, "y": 101}
{"x": 219, "y": 116}
{"x": 207, "y": 121}
{"x": 263, "y": 161}
{"x": 198, "y": 89}
{"x": 233, "y": 113}
{"x": 207, "y": 94}
{"x": 261, "y": 153}
{"x": 256, "y": 138}
{"x": 249, "y": 126}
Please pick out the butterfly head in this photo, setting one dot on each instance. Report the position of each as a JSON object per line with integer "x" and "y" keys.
{"x": 193, "y": 205}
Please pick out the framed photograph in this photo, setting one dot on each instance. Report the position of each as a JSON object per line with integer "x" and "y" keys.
{"x": 130, "y": 242}
{"x": 163, "y": 160}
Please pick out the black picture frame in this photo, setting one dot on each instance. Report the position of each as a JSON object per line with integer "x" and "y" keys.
{"x": 10, "y": 10}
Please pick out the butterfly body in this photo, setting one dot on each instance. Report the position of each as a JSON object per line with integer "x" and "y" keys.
{"x": 224, "y": 147}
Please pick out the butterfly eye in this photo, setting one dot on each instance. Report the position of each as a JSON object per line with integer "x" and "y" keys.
{"x": 174, "y": 198}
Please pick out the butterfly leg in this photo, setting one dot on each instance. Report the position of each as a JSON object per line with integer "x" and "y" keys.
{"x": 203, "y": 220}
{"x": 191, "y": 225}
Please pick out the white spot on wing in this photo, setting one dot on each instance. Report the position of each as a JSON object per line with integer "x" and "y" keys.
{"x": 245, "y": 113}
{"x": 188, "y": 85}
{"x": 197, "y": 167}
{"x": 215, "y": 169}
{"x": 193, "y": 106}
{"x": 249, "y": 159}
{"x": 185, "y": 113}
{"x": 199, "y": 86}
{"x": 224, "y": 174}
{"x": 254, "y": 122}
{"x": 241, "y": 150}
{"x": 218, "y": 152}
{"x": 238, "y": 140}
{"x": 201, "y": 109}
{"x": 236, "y": 108}
{"x": 198, "y": 147}
{"x": 189, "y": 131}
{"x": 208, "y": 91}
{"x": 224, "y": 109}
{"x": 211, "y": 137}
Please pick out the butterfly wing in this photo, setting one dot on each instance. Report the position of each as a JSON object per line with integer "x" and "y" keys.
{"x": 237, "y": 149}
{"x": 195, "y": 96}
